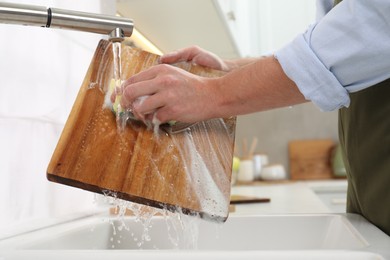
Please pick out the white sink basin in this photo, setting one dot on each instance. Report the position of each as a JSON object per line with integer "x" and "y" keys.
{"x": 273, "y": 237}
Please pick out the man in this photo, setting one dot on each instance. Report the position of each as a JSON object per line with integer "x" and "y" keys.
{"x": 341, "y": 62}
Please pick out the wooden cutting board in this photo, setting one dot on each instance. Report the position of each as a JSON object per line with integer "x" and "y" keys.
{"x": 311, "y": 159}
{"x": 189, "y": 171}
{"x": 240, "y": 199}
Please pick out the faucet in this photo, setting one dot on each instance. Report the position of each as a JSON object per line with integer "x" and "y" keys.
{"x": 115, "y": 27}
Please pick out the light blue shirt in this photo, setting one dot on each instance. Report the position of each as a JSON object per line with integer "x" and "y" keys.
{"x": 345, "y": 51}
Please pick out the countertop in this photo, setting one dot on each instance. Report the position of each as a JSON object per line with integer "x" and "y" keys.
{"x": 290, "y": 197}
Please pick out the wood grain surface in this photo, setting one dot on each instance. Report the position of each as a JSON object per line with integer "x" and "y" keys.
{"x": 311, "y": 159}
{"x": 189, "y": 171}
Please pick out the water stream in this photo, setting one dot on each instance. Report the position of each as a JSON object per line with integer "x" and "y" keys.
{"x": 182, "y": 231}
{"x": 117, "y": 52}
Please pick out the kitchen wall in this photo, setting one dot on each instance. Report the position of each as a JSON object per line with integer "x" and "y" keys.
{"x": 276, "y": 128}
{"x": 260, "y": 28}
{"x": 41, "y": 71}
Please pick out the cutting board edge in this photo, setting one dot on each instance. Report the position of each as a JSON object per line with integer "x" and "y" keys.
{"x": 121, "y": 195}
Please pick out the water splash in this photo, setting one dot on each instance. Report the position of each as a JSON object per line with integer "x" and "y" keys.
{"x": 182, "y": 230}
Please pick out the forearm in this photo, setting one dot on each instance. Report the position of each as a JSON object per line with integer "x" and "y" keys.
{"x": 175, "y": 94}
{"x": 238, "y": 63}
{"x": 258, "y": 86}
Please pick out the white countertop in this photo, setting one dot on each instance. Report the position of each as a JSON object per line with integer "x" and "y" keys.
{"x": 287, "y": 197}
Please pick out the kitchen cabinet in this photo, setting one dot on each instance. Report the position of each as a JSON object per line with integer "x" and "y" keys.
{"x": 228, "y": 28}
{"x": 175, "y": 24}
{"x": 260, "y": 27}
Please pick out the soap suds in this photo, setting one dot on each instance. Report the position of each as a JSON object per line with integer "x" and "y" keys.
{"x": 156, "y": 125}
{"x": 209, "y": 195}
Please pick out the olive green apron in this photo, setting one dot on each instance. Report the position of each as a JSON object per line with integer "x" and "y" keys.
{"x": 364, "y": 130}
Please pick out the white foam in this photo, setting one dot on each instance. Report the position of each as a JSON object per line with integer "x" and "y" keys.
{"x": 210, "y": 197}
{"x": 156, "y": 125}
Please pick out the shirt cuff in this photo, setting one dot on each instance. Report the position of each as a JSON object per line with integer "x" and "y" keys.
{"x": 316, "y": 82}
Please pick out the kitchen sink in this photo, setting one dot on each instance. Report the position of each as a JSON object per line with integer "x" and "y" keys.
{"x": 332, "y": 193}
{"x": 336, "y": 236}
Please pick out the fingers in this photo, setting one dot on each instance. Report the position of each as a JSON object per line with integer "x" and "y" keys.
{"x": 164, "y": 114}
{"x": 146, "y": 109}
{"x": 112, "y": 97}
{"x": 142, "y": 76}
{"x": 186, "y": 54}
{"x": 160, "y": 91}
{"x": 141, "y": 84}
{"x": 197, "y": 56}
{"x": 148, "y": 104}
{"x": 210, "y": 60}
{"x": 143, "y": 92}
{"x": 134, "y": 91}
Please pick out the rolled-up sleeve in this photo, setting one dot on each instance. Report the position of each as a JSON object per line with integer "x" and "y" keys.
{"x": 346, "y": 51}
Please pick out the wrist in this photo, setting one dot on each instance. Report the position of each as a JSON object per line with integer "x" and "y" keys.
{"x": 217, "y": 99}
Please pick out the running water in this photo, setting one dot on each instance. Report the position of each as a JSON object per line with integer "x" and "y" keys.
{"x": 133, "y": 226}
{"x": 116, "y": 51}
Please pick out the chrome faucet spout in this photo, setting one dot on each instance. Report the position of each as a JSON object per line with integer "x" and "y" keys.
{"x": 115, "y": 27}
{"x": 116, "y": 35}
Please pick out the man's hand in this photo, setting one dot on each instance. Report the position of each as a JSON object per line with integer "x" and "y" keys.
{"x": 197, "y": 56}
{"x": 171, "y": 94}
